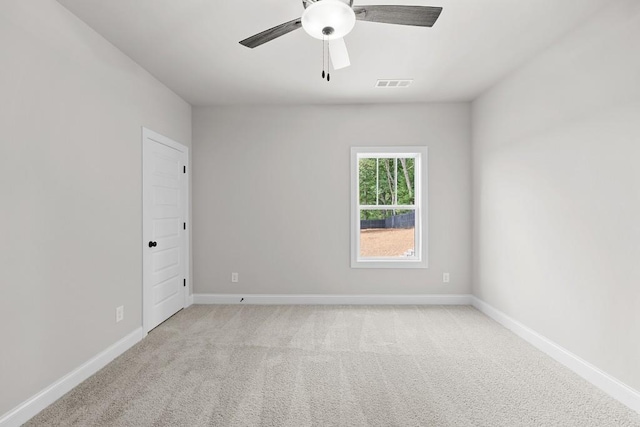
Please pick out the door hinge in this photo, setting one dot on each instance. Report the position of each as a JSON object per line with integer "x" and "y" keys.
{"x": 184, "y": 169}
{"x": 184, "y": 225}
{"x": 184, "y": 282}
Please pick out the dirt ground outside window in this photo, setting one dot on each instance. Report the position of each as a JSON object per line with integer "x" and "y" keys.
{"x": 387, "y": 242}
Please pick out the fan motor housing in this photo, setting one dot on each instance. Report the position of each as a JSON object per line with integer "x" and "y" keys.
{"x": 306, "y": 3}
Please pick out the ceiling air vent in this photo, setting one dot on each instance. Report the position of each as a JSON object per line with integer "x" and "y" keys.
{"x": 394, "y": 83}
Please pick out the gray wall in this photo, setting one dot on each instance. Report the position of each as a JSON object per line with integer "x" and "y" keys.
{"x": 71, "y": 111}
{"x": 271, "y": 197}
{"x": 556, "y": 154}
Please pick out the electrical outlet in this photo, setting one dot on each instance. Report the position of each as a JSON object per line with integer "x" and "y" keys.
{"x": 445, "y": 277}
{"x": 119, "y": 313}
{"x": 234, "y": 277}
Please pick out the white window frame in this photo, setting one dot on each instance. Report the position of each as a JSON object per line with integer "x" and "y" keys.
{"x": 420, "y": 260}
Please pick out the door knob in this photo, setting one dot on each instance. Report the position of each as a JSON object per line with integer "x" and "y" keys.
{"x": 153, "y": 244}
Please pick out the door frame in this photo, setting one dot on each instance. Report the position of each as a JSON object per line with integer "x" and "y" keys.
{"x": 148, "y": 134}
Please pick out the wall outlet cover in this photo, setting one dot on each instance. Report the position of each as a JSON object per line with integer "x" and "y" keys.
{"x": 119, "y": 313}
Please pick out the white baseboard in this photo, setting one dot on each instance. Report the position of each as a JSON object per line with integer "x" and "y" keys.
{"x": 309, "y": 299}
{"x": 189, "y": 300}
{"x": 595, "y": 376}
{"x": 29, "y": 408}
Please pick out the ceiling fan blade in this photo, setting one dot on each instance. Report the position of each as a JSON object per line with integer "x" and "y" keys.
{"x": 421, "y": 16}
{"x": 339, "y": 54}
{"x": 271, "y": 33}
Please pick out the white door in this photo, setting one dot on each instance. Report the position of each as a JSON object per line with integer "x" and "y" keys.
{"x": 165, "y": 253}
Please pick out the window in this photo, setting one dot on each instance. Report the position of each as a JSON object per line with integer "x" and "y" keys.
{"x": 389, "y": 207}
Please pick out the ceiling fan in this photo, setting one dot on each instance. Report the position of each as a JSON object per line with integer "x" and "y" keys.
{"x": 331, "y": 20}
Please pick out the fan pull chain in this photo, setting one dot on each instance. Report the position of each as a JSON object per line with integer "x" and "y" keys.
{"x": 328, "y": 63}
{"x": 322, "y": 57}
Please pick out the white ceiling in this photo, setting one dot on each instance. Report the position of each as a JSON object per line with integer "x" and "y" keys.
{"x": 192, "y": 47}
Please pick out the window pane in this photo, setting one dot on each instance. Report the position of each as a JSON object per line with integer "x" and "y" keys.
{"x": 406, "y": 182}
{"x": 367, "y": 181}
{"x": 386, "y": 181}
{"x": 387, "y": 233}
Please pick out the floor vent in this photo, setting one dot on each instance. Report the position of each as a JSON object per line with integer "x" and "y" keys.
{"x": 394, "y": 83}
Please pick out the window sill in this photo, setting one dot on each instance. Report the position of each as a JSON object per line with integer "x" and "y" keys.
{"x": 415, "y": 263}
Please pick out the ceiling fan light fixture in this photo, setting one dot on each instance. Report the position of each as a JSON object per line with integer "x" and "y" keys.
{"x": 328, "y": 19}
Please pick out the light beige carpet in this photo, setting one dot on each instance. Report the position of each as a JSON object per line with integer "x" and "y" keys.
{"x": 334, "y": 366}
